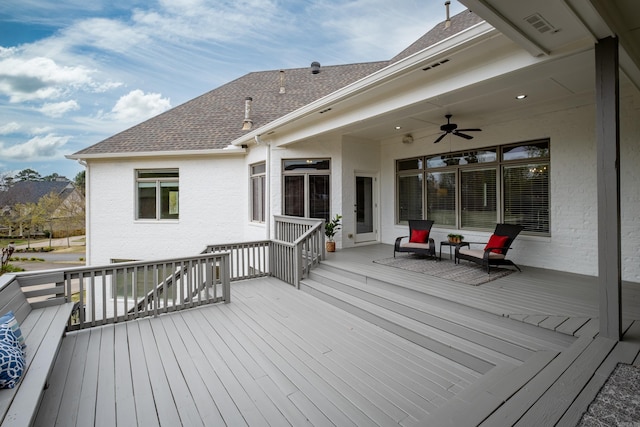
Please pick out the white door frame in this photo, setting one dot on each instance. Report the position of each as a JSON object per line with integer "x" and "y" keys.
{"x": 368, "y": 236}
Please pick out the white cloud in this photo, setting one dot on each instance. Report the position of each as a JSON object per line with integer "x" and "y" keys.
{"x": 137, "y": 106}
{"x": 26, "y": 79}
{"x": 59, "y": 109}
{"x": 37, "y": 148}
{"x": 104, "y": 34}
{"x": 9, "y": 128}
{"x": 41, "y": 130}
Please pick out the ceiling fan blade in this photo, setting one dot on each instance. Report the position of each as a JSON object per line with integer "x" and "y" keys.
{"x": 469, "y": 130}
{"x": 462, "y": 135}
{"x": 440, "y": 138}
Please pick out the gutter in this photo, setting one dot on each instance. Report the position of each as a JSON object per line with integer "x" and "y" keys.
{"x": 230, "y": 150}
{"x": 389, "y": 73}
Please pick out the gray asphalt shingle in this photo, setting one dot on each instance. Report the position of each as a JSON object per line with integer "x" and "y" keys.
{"x": 214, "y": 119}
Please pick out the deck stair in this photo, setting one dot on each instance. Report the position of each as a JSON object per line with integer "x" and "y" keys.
{"x": 529, "y": 373}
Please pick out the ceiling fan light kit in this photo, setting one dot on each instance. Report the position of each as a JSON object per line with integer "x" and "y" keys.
{"x": 452, "y": 128}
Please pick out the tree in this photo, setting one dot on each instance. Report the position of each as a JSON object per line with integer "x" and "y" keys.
{"x": 55, "y": 177}
{"x": 48, "y": 207}
{"x": 6, "y": 181}
{"x": 28, "y": 175}
{"x": 71, "y": 213}
{"x": 29, "y": 219}
{"x": 80, "y": 180}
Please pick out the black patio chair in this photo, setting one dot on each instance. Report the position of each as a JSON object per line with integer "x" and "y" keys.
{"x": 495, "y": 251}
{"x": 418, "y": 241}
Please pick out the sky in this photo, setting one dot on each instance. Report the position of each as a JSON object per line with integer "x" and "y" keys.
{"x": 74, "y": 72}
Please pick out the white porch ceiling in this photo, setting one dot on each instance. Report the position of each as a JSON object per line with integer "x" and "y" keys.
{"x": 565, "y": 80}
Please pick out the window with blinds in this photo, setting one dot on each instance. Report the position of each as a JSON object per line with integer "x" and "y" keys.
{"x": 478, "y": 198}
{"x": 526, "y": 196}
{"x": 477, "y": 189}
{"x": 409, "y": 184}
{"x": 441, "y": 198}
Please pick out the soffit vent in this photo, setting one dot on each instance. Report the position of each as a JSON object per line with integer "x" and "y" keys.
{"x": 539, "y": 23}
{"x": 435, "y": 64}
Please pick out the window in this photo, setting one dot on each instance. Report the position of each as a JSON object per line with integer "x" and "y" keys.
{"x": 306, "y": 188}
{"x": 409, "y": 189}
{"x": 476, "y": 189}
{"x": 526, "y": 186}
{"x": 258, "y": 182}
{"x": 157, "y": 194}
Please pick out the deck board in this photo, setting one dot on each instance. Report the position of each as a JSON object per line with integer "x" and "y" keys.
{"x": 124, "y": 397}
{"x": 140, "y": 377}
{"x": 279, "y": 356}
{"x": 105, "y": 413}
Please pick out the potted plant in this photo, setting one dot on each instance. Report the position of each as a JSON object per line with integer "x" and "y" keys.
{"x": 330, "y": 229}
{"x": 455, "y": 238}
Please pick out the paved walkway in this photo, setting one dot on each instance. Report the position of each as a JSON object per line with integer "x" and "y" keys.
{"x": 59, "y": 258}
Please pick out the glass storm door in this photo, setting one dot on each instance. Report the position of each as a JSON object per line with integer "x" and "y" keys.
{"x": 366, "y": 207}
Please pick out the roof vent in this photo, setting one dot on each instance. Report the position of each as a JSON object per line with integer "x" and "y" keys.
{"x": 447, "y": 22}
{"x": 247, "y": 124}
{"x": 282, "y": 90}
{"x": 539, "y": 23}
{"x": 315, "y": 67}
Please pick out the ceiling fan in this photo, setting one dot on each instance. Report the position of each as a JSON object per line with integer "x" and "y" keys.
{"x": 453, "y": 128}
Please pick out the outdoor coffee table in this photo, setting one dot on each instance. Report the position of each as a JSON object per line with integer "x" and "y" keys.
{"x": 451, "y": 245}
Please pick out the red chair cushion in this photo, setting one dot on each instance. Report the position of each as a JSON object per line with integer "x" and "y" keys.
{"x": 496, "y": 242}
{"x": 419, "y": 236}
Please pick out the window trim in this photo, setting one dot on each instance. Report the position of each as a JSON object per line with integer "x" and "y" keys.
{"x": 262, "y": 176}
{"x": 499, "y": 164}
{"x": 306, "y": 172}
{"x": 158, "y": 181}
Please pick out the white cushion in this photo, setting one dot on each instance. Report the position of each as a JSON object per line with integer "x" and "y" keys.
{"x": 414, "y": 245}
{"x": 479, "y": 253}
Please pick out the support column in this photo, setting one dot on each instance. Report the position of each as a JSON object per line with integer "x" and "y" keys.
{"x": 608, "y": 172}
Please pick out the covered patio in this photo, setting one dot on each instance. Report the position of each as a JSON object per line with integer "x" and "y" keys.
{"x": 379, "y": 346}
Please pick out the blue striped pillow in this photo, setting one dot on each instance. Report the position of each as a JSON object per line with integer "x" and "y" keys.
{"x": 10, "y": 319}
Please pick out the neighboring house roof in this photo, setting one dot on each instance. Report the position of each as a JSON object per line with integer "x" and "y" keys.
{"x": 32, "y": 191}
{"x": 213, "y": 120}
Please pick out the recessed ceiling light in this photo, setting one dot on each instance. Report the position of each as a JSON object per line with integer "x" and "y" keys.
{"x": 398, "y": 127}
{"x": 521, "y": 96}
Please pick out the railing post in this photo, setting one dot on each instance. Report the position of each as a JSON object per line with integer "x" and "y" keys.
{"x": 297, "y": 264}
{"x": 226, "y": 282}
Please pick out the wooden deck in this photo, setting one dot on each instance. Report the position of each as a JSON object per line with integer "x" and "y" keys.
{"x": 353, "y": 351}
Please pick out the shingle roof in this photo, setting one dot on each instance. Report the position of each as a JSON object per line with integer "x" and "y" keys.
{"x": 459, "y": 22}
{"x": 213, "y": 120}
{"x": 32, "y": 191}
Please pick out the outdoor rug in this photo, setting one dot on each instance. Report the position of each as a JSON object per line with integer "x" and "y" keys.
{"x": 468, "y": 273}
{"x": 618, "y": 401}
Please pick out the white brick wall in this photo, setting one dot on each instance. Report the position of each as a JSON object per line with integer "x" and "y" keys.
{"x": 214, "y": 193}
{"x": 213, "y": 201}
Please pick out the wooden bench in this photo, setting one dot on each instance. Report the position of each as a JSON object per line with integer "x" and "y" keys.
{"x": 43, "y": 324}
